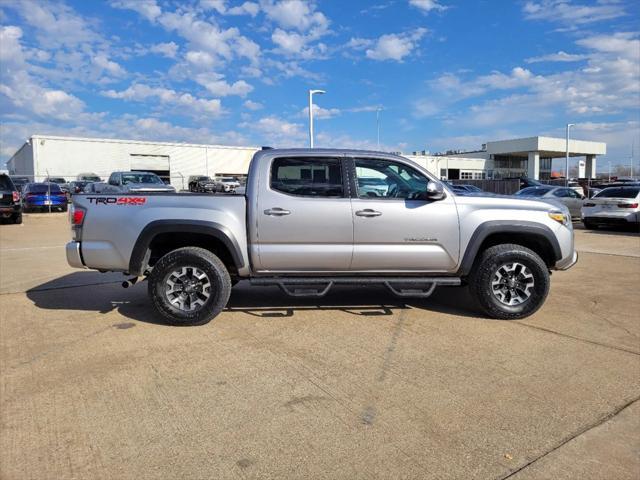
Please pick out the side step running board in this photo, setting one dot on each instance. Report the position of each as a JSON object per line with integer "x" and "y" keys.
{"x": 405, "y": 287}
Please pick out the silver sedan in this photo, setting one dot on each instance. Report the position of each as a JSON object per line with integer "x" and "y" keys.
{"x": 567, "y": 196}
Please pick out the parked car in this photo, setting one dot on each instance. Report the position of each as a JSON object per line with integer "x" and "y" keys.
{"x": 95, "y": 187}
{"x": 88, "y": 177}
{"x": 592, "y": 192}
{"x": 61, "y": 182}
{"x": 613, "y": 206}
{"x": 19, "y": 181}
{"x": 526, "y": 182}
{"x": 125, "y": 182}
{"x": 204, "y": 184}
{"x": 10, "y": 200}
{"x": 575, "y": 186}
{"x": 41, "y": 196}
{"x": 229, "y": 184}
{"x": 306, "y": 232}
{"x": 77, "y": 186}
{"x": 564, "y": 195}
{"x": 372, "y": 187}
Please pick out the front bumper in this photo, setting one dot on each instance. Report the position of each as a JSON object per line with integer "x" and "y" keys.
{"x": 74, "y": 257}
{"x": 567, "y": 263}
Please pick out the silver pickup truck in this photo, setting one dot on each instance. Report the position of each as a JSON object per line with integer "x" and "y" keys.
{"x": 312, "y": 219}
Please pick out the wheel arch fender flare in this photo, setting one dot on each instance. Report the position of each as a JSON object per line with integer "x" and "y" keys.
{"x": 532, "y": 229}
{"x": 140, "y": 252}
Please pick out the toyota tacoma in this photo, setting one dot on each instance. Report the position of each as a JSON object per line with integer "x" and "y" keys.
{"x": 308, "y": 222}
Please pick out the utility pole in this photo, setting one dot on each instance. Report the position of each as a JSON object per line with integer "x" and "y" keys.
{"x": 311, "y": 93}
{"x": 378, "y": 125}
{"x": 566, "y": 175}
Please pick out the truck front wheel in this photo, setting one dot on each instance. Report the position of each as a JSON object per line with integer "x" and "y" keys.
{"x": 189, "y": 286}
{"x": 509, "y": 281}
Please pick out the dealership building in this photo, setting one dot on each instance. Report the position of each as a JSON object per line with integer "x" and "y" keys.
{"x": 42, "y": 156}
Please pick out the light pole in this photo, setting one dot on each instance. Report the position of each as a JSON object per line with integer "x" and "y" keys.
{"x": 378, "y": 125}
{"x": 311, "y": 93}
{"x": 566, "y": 166}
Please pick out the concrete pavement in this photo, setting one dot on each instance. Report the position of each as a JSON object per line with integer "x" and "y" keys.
{"x": 358, "y": 385}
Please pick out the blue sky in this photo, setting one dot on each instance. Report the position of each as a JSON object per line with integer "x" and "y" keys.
{"x": 448, "y": 74}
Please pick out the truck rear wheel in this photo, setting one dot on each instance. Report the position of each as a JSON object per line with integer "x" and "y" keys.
{"x": 509, "y": 281}
{"x": 189, "y": 286}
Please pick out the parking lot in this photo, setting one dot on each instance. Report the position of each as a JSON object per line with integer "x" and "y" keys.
{"x": 357, "y": 385}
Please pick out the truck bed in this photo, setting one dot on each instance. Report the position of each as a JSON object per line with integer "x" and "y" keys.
{"x": 114, "y": 222}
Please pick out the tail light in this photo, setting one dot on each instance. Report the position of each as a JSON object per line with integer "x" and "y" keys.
{"x": 16, "y": 196}
{"x": 627, "y": 205}
{"x": 588, "y": 204}
{"x": 76, "y": 215}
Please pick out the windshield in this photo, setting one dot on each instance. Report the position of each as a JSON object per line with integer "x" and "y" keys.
{"x": 128, "y": 178}
{"x": 619, "y": 192}
{"x": 533, "y": 192}
{"x": 227, "y": 179}
{"x": 89, "y": 178}
{"x": 57, "y": 180}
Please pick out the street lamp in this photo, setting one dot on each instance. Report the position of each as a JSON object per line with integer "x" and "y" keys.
{"x": 378, "y": 110}
{"x": 311, "y": 93}
{"x": 566, "y": 175}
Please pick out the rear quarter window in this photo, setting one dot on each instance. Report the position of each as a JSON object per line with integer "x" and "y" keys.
{"x": 309, "y": 177}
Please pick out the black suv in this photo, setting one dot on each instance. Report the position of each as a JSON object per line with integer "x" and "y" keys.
{"x": 10, "y": 201}
{"x": 201, "y": 183}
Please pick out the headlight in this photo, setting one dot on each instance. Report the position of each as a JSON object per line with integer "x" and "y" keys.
{"x": 560, "y": 217}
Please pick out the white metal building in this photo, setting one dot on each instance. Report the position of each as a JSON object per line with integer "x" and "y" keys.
{"x": 66, "y": 157}
{"x": 44, "y": 155}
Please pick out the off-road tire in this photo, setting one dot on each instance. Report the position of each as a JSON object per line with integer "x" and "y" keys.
{"x": 17, "y": 218}
{"x": 204, "y": 260}
{"x": 486, "y": 266}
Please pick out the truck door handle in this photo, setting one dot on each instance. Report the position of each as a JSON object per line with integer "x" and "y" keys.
{"x": 368, "y": 212}
{"x": 278, "y": 212}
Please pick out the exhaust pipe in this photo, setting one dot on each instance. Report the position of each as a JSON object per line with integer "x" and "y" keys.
{"x": 129, "y": 283}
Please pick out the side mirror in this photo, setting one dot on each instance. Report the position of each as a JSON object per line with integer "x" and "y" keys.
{"x": 435, "y": 191}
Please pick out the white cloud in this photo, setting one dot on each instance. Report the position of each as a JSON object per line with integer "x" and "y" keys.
{"x": 217, "y": 86}
{"x": 623, "y": 43}
{"x": 247, "y": 8}
{"x": 427, "y": 5}
{"x": 250, "y": 105}
{"x": 557, "y": 57}
{"x": 296, "y": 14}
{"x": 21, "y": 94}
{"x": 56, "y": 24}
{"x": 570, "y": 14}
{"x": 320, "y": 113}
{"x": 149, "y": 9}
{"x": 273, "y": 130}
{"x": 103, "y": 63}
{"x": 168, "y": 49}
{"x": 188, "y": 104}
{"x": 220, "y": 6}
{"x": 395, "y": 46}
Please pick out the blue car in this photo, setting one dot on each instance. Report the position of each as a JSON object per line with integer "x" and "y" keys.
{"x": 41, "y": 196}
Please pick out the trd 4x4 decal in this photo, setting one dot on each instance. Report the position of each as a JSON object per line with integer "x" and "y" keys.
{"x": 117, "y": 201}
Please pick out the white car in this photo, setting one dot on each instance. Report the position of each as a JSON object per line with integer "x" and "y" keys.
{"x": 230, "y": 184}
{"x": 613, "y": 206}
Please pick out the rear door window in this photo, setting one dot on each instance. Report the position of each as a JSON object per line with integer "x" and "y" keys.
{"x": 308, "y": 177}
